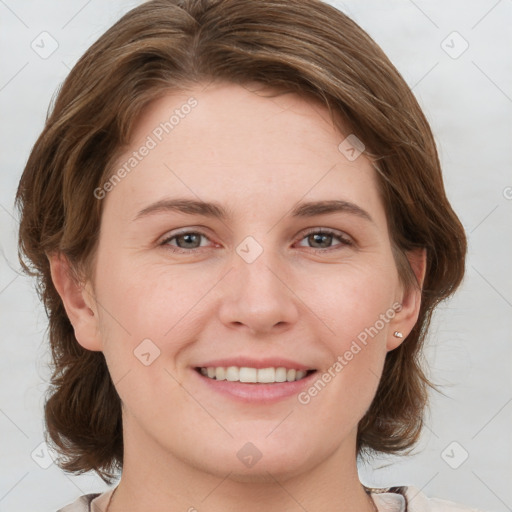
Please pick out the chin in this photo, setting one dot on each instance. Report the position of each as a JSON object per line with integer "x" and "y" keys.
{"x": 250, "y": 465}
{"x": 260, "y": 473}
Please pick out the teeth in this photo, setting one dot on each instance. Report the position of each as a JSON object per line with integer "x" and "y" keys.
{"x": 253, "y": 375}
{"x": 246, "y": 374}
{"x": 232, "y": 373}
{"x": 266, "y": 375}
{"x": 281, "y": 374}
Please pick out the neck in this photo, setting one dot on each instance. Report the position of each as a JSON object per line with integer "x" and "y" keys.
{"x": 156, "y": 480}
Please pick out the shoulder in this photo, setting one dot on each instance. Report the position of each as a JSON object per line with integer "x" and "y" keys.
{"x": 81, "y": 504}
{"x": 420, "y": 502}
{"x": 409, "y": 498}
{"x": 95, "y": 502}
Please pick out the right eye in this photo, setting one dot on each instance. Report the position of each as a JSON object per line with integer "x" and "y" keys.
{"x": 186, "y": 241}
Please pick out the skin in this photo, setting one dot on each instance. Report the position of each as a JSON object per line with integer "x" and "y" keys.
{"x": 258, "y": 157}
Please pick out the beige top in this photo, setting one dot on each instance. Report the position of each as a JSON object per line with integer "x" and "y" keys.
{"x": 390, "y": 499}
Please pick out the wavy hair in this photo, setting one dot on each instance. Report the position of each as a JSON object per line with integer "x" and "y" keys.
{"x": 302, "y": 46}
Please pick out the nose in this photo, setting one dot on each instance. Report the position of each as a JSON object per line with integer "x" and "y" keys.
{"x": 259, "y": 296}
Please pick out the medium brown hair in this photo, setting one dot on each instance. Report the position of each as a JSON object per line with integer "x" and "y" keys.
{"x": 302, "y": 46}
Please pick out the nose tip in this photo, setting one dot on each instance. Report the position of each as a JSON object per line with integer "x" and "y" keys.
{"x": 256, "y": 296}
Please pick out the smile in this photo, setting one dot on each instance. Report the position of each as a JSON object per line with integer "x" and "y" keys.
{"x": 254, "y": 375}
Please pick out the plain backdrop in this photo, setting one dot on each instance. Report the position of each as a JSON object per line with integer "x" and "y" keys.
{"x": 456, "y": 56}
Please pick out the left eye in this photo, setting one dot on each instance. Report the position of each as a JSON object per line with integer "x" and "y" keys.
{"x": 191, "y": 240}
{"x": 326, "y": 236}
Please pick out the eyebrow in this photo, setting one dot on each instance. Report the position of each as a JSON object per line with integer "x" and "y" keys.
{"x": 216, "y": 210}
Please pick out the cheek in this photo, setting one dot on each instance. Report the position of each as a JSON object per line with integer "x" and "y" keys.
{"x": 354, "y": 299}
{"x": 147, "y": 300}
{"x": 357, "y": 305}
{"x": 144, "y": 328}
{"x": 148, "y": 309}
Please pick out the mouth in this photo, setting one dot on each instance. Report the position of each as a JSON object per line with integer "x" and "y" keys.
{"x": 248, "y": 375}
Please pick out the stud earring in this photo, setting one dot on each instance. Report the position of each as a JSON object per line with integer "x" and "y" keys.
{"x": 398, "y": 334}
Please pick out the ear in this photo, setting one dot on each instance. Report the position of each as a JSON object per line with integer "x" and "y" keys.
{"x": 78, "y": 301}
{"x": 406, "y": 318}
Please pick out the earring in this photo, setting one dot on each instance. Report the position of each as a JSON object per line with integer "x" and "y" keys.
{"x": 398, "y": 334}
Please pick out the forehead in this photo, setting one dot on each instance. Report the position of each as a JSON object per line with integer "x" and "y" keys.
{"x": 243, "y": 145}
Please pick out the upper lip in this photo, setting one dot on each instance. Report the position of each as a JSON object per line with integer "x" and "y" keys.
{"x": 270, "y": 362}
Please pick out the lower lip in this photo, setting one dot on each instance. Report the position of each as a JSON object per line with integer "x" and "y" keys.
{"x": 257, "y": 393}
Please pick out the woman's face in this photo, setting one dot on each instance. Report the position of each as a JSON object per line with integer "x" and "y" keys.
{"x": 277, "y": 281}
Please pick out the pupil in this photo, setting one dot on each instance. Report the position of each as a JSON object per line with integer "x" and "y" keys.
{"x": 316, "y": 236}
{"x": 188, "y": 238}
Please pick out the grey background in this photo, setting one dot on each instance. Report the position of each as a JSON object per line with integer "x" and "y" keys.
{"x": 467, "y": 98}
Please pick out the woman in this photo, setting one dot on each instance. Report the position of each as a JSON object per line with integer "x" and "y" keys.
{"x": 238, "y": 221}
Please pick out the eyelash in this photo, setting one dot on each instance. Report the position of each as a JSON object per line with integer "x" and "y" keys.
{"x": 345, "y": 241}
